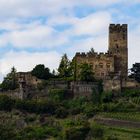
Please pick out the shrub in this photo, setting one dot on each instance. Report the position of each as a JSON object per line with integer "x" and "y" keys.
{"x": 107, "y": 97}
{"x": 6, "y": 103}
{"x": 57, "y": 94}
{"x": 7, "y": 132}
{"x": 109, "y": 107}
{"x": 61, "y": 112}
{"x": 96, "y": 131}
{"x": 76, "y": 133}
{"x": 89, "y": 110}
{"x": 131, "y": 93}
{"x": 112, "y": 137}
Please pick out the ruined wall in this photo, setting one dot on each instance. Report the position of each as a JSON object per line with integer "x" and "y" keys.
{"x": 83, "y": 89}
{"x": 118, "y": 47}
{"x": 28, "y": 78}
{"x": 112, "y": 85}
{"x": 101, "y": 63}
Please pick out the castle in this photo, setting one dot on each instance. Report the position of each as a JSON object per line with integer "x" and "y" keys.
{"x": 111, "y": 67}
{"x": 112, "y": 63}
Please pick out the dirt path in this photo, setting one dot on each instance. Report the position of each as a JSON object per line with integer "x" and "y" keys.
{"x": 115, "y": 122}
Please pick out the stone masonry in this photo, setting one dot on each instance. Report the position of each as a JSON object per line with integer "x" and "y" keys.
{"x": 114, "y": 62}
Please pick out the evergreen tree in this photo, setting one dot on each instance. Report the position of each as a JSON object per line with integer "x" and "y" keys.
{"x": 135, "y": 72}
{"x": 10, "y": 82}
{"x": 64, "y": 68}
{"x": 86, "y": 73}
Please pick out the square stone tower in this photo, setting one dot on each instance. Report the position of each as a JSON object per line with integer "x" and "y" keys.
{"x": 118, "y": 48}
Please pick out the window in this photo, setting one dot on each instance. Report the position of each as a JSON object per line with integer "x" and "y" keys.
{"x": 108, "y": 65}
{"x": 101, "y": 65}
{"x": 123, "y": 37}
{"x": 102, "y": 74}
{"x": 117, "y": 46}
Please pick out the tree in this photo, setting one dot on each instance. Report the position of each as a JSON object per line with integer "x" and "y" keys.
{"x": 135, "y": 72}
{"x": 10, "y": 82}
{"x": 86, "y": 73}
{"x": 64, "y": 68}
{"x": 92, "y": 51}
{"x": 41, "y": 72}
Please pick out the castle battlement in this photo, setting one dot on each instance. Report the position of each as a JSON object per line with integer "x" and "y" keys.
{"x": 93, "y": 55}
{"x": 118, "y": 28}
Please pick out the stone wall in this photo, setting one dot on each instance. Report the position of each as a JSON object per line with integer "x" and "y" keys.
{"x": 118, "y": 47}
{"x": 28, "y": 78}
{"x": 101, "y": 63}
{"x": 112, "y": 85}
{"x": 83, "y": 89}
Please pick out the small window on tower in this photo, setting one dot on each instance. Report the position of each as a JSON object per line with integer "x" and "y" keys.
{"x": 108, "y": 65}
{"x": 124, "y": 37}
{"x": 102, "y": 74}
{"x": 117, "y": 46}
{"x": 101, "y": 65}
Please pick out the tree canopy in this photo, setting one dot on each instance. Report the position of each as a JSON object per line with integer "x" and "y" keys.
{"x": 65, "y": 68}
{"x": 135, "y": 72}
{"x": 86, "y": 73}
{"x": 41, "y": 72}
{"x": 10, "y": 82}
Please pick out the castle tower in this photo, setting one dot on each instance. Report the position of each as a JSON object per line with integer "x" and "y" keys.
{"x": 118, "y": 47}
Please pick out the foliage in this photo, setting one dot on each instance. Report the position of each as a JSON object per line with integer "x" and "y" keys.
{"x": 65, "y": 67}
{"x": 61, "y": 112}
{"x": 96, "y": 131}
{"x": 42, "y": 85}
{"x": 44, "y": 106}
{"x": 10, "y": 82}
{"x": 76, "y": 133}
{"x": 107, "y": 97}
{"x": 76, "y": 129}
{"x": 135, "y": 72}
{"x": 86, "y": 73}
{"x": 6, "y": 103}
{"x": 89, "y": 110}
{"x": 131, "y": 93}
{"x": 92, "y": 51}
{"x": 57, "y": 94}
{"x": 41, "y": 72}
{"x": 7, "y": 132}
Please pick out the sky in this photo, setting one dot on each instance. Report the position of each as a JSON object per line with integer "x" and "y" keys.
{"x": 40, "y": 31}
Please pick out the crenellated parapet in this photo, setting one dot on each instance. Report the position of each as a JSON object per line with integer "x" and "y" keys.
{"x": 118, "y": 28}
{"x": 93, "y": 55}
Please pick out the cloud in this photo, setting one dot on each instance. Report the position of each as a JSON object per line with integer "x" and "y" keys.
{"x": 24, "y": 61}
{"x": 35, "y": 8}
{"x": 92, "y": 24}
{"x": 31, "y": 35}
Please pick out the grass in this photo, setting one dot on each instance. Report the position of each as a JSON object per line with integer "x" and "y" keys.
{"x": 130, "y": 116}
{"x": 123, "y": 133}
{"x": 119, "y": 133}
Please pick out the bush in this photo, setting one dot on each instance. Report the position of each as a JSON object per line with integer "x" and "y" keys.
{"x": 96, "y": 131}
{"x": 61, "y": 112}
{"x": 109, "y": 107}
{"x": 89, "y": 110}
{"x": 7, "y": 132}
{"x": 112, "y": 137}
{"x": 107, "y": 97}
{"x": 6, "y": 103}
{"x": 131, "y": 93}
{"x": 57, "y": 94}
{"x": 76, "y": 133}
{"x": 43, "y": 106}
